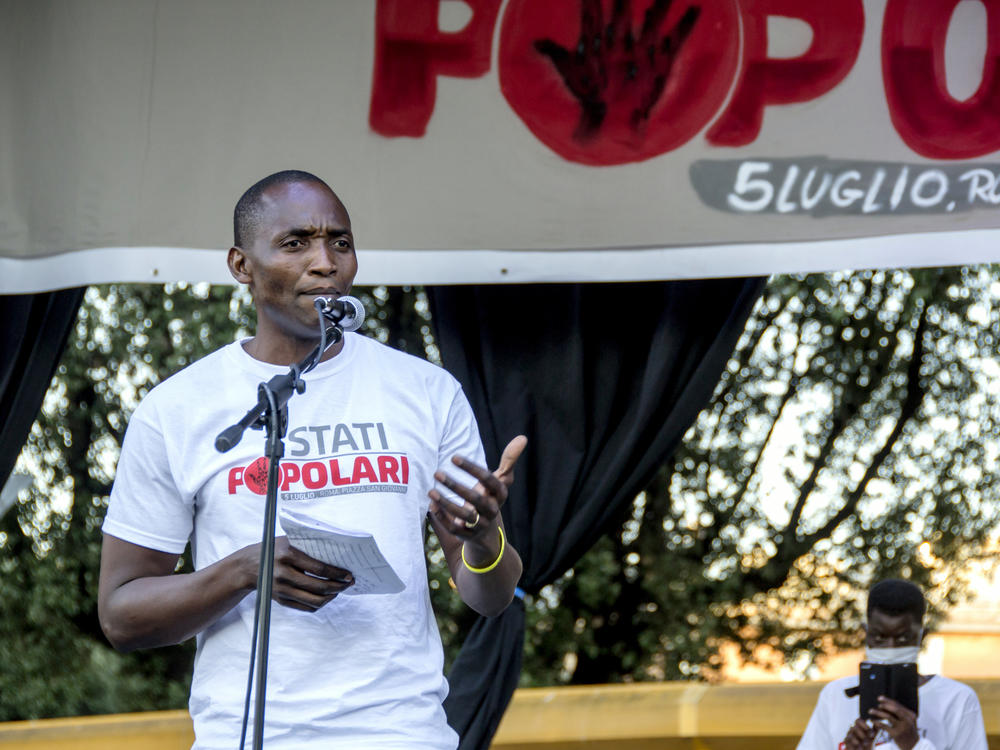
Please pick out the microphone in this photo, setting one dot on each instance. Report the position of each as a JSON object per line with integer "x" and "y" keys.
{"x": 346, "y": 312}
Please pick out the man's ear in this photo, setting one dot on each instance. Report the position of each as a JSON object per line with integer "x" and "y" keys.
{"x": 239, "y": 265}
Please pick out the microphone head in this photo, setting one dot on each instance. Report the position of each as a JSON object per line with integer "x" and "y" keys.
{"x": 354, "y": 313}
{"x": 346, "y": 311}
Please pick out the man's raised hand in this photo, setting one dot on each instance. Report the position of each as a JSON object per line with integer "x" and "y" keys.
{"x": 479, "y": 514}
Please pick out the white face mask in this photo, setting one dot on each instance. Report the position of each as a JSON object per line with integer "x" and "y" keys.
{"x": 900, "y": 655}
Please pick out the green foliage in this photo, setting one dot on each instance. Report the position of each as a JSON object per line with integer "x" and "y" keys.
{"x": 849, "y": 438}
{"x": 56, "y": 661}
{"x": 127, "y": 338}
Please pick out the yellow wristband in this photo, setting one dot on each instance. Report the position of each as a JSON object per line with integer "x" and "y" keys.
{"x": 488, "y": 568}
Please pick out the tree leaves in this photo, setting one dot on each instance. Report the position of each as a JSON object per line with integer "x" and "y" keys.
{"x": 850, "y": 438}
{"x": 127, "y": 339}
{"x": 57, "y": 663}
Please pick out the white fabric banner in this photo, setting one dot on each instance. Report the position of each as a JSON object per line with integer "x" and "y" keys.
{"x": 493, "y": 141}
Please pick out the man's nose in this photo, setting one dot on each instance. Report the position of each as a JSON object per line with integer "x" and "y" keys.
{"x": 323, "y": 259}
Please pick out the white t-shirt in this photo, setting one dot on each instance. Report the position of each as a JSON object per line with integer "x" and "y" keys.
{"x": 950, "y": 718}
{"x": 363, "y": 443}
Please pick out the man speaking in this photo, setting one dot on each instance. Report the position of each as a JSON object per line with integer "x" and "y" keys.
{"x": 376, "y": 442}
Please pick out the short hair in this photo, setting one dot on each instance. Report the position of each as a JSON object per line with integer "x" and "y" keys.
{"x": 247, "y": 214}
{"x": 894, "y": 596}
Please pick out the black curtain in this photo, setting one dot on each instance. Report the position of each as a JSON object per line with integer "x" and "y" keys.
{"x": 604, "y": 379}
{"x": 33, "y": 331}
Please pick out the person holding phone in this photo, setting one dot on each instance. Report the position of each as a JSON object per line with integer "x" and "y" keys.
{"x": 950, "y": 717}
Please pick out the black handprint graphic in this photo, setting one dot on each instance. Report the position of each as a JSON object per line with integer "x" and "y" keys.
{"x": 612, "y": 67}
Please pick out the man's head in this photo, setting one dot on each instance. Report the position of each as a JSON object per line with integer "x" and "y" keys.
{"x": 895, "y": 614}
{"x": 292, "y": 243}
{"x": 247, "y": 215}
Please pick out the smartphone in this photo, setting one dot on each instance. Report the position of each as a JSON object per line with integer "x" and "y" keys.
{"x": 896, "y": 681}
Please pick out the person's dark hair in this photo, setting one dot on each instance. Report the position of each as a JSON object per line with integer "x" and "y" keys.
{"x": 895, "y": 596}
{"x": 246, "y": 215}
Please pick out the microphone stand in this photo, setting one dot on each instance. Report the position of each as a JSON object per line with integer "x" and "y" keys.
{"x": 271, "y": 413}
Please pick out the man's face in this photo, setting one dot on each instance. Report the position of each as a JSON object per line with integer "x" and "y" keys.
{"x": 303, "y": 249}
{"x": 892, "y": 631}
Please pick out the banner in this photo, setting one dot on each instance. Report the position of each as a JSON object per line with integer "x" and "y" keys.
{"x": 493, "y": 141}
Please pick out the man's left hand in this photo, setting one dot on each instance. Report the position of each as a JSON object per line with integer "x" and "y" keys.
{"x": 473, "y": 520}
{"x": 896, "y": 719}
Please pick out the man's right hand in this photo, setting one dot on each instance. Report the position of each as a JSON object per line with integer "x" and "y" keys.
{"x": 303, "y": 582}
{"x": 143, "y": 603}
{"x": 860, "y": 736}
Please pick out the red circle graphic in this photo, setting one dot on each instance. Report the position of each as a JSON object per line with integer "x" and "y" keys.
{"x": 255, "y": 476}
{"x": 605, "y": 82}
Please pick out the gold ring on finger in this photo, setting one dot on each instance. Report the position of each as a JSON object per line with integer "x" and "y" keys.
{"x": 474, "y": 522}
